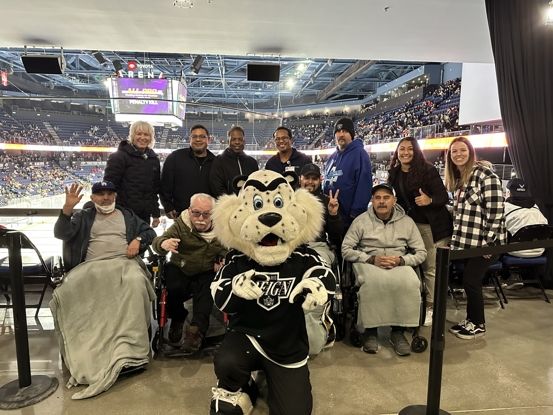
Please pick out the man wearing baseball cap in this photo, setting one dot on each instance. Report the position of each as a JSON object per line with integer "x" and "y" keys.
{"x": 106, "y": 289}
{"x": 384, "y": 244}
{"x": 349, "y": 170}
{"x": 310, "y": 180}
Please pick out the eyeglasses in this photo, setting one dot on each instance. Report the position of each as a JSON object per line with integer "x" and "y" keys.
{"x": 197, "y": 214}
{"x": 201, "y": 137}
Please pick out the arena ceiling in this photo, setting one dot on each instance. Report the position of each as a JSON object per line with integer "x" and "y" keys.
{"x": 348, "y": 49}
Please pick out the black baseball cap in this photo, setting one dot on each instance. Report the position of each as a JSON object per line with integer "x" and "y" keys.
{"x": 518, "y": 188}
{"x": 310, "y": 170}
{"x": 101, "y": 186}
{"x": 384, "y": 186}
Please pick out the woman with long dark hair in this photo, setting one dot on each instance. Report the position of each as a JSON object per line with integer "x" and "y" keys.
{"x": 421, "y": 193}
{"x": 479, "y": 221}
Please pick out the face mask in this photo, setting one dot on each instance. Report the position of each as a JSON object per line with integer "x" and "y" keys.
{"x": 106, "y": 210}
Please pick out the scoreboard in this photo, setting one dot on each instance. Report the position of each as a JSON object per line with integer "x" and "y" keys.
{"x": 158, "y": 101}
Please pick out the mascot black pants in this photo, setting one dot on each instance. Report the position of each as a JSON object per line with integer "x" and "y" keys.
{"x": 289, "y": 389}
{"x": 181, "y": 288}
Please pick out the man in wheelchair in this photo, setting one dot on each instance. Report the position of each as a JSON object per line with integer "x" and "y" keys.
{"x": 101, "y": 309}
{"x": 384, "y": 244}
{"x": 195, "y": 257}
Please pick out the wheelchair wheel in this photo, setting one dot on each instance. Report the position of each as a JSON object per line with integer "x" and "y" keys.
{"x": 156, "y": 344}
{"x": 419, "y": 344}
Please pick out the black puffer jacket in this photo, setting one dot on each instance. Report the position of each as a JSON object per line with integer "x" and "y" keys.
{"x": 136, "y": 176}
{"x": 183, "y": 176}
{"x": 226, "y": 167}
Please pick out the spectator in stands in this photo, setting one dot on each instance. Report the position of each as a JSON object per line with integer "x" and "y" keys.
{"x": 135, "y": 170}
{"x": 384, "y": 244}
{"x": 520, "y": 211}
{"x": 195, "y": 259}
{"x": 331, "y": 234}
{"x": 422, "y": 194}
{"x": 107, "y": 289}
{"x": 287, "y": 158}
{"x": 349, "y": 170}
{"x": 478, "y": 221}
{"x": 186, "y": 172}
{"x": 231, "y": 163}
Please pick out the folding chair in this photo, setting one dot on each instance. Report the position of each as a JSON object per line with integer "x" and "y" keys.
{"x": 512, "y": 263}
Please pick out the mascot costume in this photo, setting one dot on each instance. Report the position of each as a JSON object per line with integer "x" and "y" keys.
{"x": 269, "y": 279}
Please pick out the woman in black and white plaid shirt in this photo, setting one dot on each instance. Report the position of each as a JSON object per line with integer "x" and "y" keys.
{"x": 478, "y": 221}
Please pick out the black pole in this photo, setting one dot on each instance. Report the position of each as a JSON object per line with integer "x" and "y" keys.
{"x": 19, "y": 314}
{"x": 437, "y": 342}
{"x": 27, "y": 390}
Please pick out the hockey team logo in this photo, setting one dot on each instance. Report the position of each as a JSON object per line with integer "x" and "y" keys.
{"x": 274, "y": 289}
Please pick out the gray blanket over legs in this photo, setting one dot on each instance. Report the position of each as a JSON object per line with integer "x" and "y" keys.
{"x": 101, "y": 312}
{"x": 387, "y": 297}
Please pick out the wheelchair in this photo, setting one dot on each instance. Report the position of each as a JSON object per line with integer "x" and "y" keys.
{"x": 160, "y": 344}
{"x": 155, "y": 265}
{"x": 350, "y": 292}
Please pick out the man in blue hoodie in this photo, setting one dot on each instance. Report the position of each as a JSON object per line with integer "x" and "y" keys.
{"x": 349, "y": 170}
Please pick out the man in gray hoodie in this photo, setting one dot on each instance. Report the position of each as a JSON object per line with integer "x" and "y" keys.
{"x": 384, "y": 244}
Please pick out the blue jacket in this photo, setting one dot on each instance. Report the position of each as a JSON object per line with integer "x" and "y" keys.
{"x": 350, "y": 171}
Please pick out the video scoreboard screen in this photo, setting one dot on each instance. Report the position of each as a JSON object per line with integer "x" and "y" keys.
{"x": 154, "y": 100}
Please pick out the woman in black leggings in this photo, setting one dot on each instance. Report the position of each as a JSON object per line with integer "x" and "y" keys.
{"x": 478, "y": 221}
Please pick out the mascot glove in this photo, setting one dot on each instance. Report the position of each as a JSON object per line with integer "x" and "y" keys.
{"x": 245, "y": 287}
{"x": 315, "y": 293}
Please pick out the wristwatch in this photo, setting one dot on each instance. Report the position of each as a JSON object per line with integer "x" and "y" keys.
{"x": 138, "y": 238}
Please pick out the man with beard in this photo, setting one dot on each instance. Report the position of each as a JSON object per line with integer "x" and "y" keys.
{"x": 186, "y": 172}
{"x": 231, "y": 163}
{"x": 287, "y": 158}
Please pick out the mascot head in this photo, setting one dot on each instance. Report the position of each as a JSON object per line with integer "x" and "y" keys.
{"x": 268, "y": 219}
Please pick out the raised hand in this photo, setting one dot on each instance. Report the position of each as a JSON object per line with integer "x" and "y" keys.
{"x": 333, "y": 203}
{"x": 73, "y": 196}
{"x": 423, "y": 199}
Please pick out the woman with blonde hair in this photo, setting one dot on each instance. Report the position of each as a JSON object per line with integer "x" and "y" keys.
{"x": 478, "y": 221}
{"x": 135, "y": 170}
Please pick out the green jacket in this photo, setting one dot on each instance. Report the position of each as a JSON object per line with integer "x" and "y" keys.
{"x": 196, "y": 255}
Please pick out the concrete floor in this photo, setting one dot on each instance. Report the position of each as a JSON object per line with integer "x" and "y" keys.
{"x": 508, "y": 372}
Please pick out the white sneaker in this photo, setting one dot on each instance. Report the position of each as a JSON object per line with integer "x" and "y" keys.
{"x": 428, "y": 318}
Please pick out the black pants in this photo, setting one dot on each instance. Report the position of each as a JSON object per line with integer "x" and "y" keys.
{"x": 289, "y": 389}
{"x": 181, "y": 288}
{"x": 473, "y": 274}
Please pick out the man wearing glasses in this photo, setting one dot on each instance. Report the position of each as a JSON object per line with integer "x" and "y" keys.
{"x": 195, "y": 255}
{"x": 287, "y": 158}
{"x": 186, "y": 172}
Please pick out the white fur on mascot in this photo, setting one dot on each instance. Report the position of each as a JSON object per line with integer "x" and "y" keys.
{"x": 269, "y": 278}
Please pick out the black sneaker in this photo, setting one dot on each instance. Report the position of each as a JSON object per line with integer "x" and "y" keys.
{"x": 175, "y": 332}
{"x": 458, "y": 327}
{"x": 471, "y": 331}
